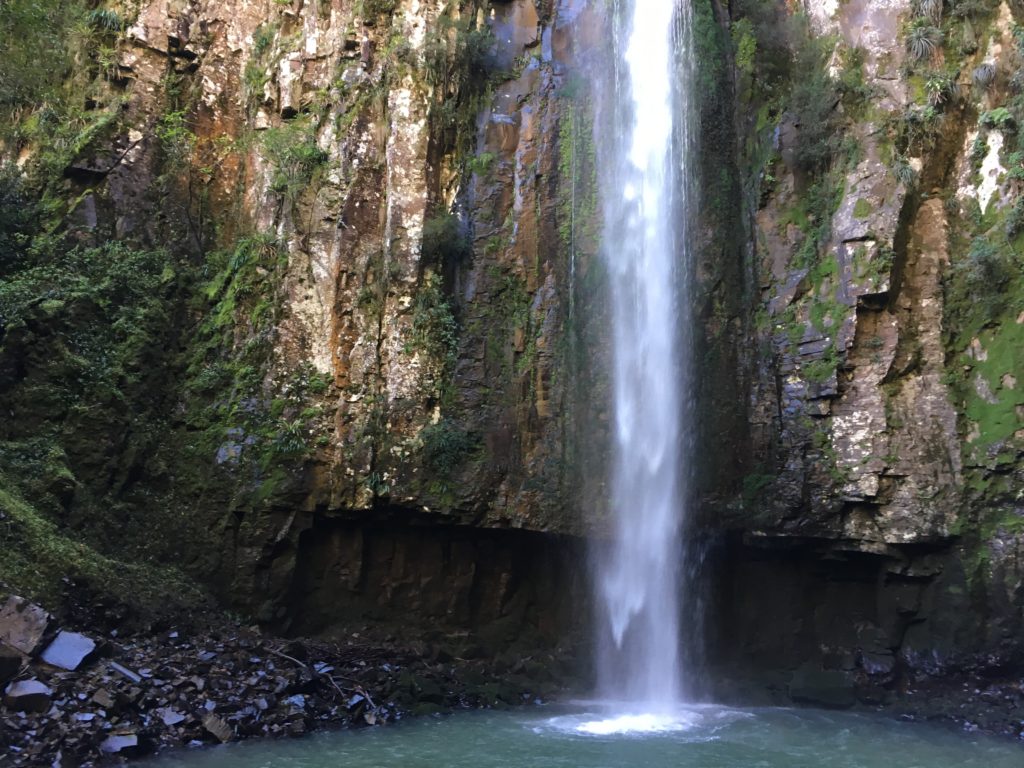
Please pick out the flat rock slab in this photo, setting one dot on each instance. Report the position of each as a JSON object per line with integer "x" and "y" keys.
{"x": 27, "y": 696}
{"x": 170, "y": 716}
{"x": 68, "y": 650}
{"x": 23, "y": 624}
{"x": 113, "y": 745}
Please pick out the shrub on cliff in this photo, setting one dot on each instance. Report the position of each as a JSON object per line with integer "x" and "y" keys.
{"x": 295, "y": 156}
{"x": 17, "y": 216}
{"x": 444, "y": 243}
{"x": 987, "y": 268}
{"x": 34, "y": 49}
{"x": 445, "y": 447}
{"x": 813, "y": 103}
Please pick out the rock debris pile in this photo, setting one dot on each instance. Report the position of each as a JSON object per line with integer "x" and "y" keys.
{"x": 74, "y": 700}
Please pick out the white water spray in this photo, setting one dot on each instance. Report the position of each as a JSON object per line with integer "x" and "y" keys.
{"x": 646, "y": 152}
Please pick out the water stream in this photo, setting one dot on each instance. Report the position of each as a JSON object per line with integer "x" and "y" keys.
{"x": 645, "y": 145}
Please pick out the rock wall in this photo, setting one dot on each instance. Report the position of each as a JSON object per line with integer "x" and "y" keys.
{"x": 522, "y": 587}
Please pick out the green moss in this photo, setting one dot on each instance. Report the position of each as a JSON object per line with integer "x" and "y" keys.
{"x": 712, "y": 53}
{"x": 744, "y": 46}
{"x": 435, "y": 333}
{"x": 270, "y": 428}
{"x": 856, "y": 92}
{"x": 822, "y": 369}
{"x": 985, "y": 526}
{"x": 867, "y": 266}
{"x": 38, "y": 45}
{"x": 510, "y": 316}
{"x": 56, "y": 95}
{"x": 481, "y": 163}
{"x": 371, "y": 8}
{"x": 984, "y": 297}
{"x": 995, "y": 413}
{"x": 129, "y": 368}
{"x": 110, "y": 303}
{"x": 812, "y": 213}
{"x": 862, "y": 209}
{"x": 37, "y": 557}
{"x": 754, "y": 485}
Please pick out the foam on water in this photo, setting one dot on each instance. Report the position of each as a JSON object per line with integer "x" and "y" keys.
{"x": 635, "y": 724}
{"x": 701, "y": 721}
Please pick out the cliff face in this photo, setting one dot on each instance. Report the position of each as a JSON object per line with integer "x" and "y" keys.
{"x": 354, "y": 316}
{"x": 357, "y": 218}
{"x": 881, "y": 511}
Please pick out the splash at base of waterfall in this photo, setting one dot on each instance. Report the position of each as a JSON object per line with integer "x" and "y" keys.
{"x": 615, "y": 719}
{"x": 639, "y": 724}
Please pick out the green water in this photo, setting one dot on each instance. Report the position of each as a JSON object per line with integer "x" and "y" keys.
{"x": 706, "y": 737}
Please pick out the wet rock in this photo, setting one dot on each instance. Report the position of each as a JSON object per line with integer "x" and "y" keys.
{"x": 878, "y": 663}
{"x": 69, "y": 650}
{"x": 428, "y": 690}
{"x": 826, "y": 688}
{"x": 23, "y": 625}
{"x": 103, "y": 698}
{"x": 27, "y": 696}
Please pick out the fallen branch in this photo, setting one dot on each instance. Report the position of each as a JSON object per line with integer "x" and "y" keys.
{"x": 290, "y": 658}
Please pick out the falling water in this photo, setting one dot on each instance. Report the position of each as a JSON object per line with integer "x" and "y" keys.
{"x": 645, "y": 148}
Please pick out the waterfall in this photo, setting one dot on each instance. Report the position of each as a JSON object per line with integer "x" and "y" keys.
{"x": 645, "y": 148}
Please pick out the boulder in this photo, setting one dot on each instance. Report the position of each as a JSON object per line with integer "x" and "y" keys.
{"x": 10, "y": 664}
{"x": 27, "y": 696}
{"x": 69, "y": 650}
{"x": 23, "y": 625}
{"x": 218, "y": 728}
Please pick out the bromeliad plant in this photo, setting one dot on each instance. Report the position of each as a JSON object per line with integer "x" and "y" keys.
{"x": 929, "y": 9}
{"x": 923, "y": 39}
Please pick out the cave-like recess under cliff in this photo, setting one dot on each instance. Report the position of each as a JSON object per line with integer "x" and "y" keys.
{"x": 300, "y": 306}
